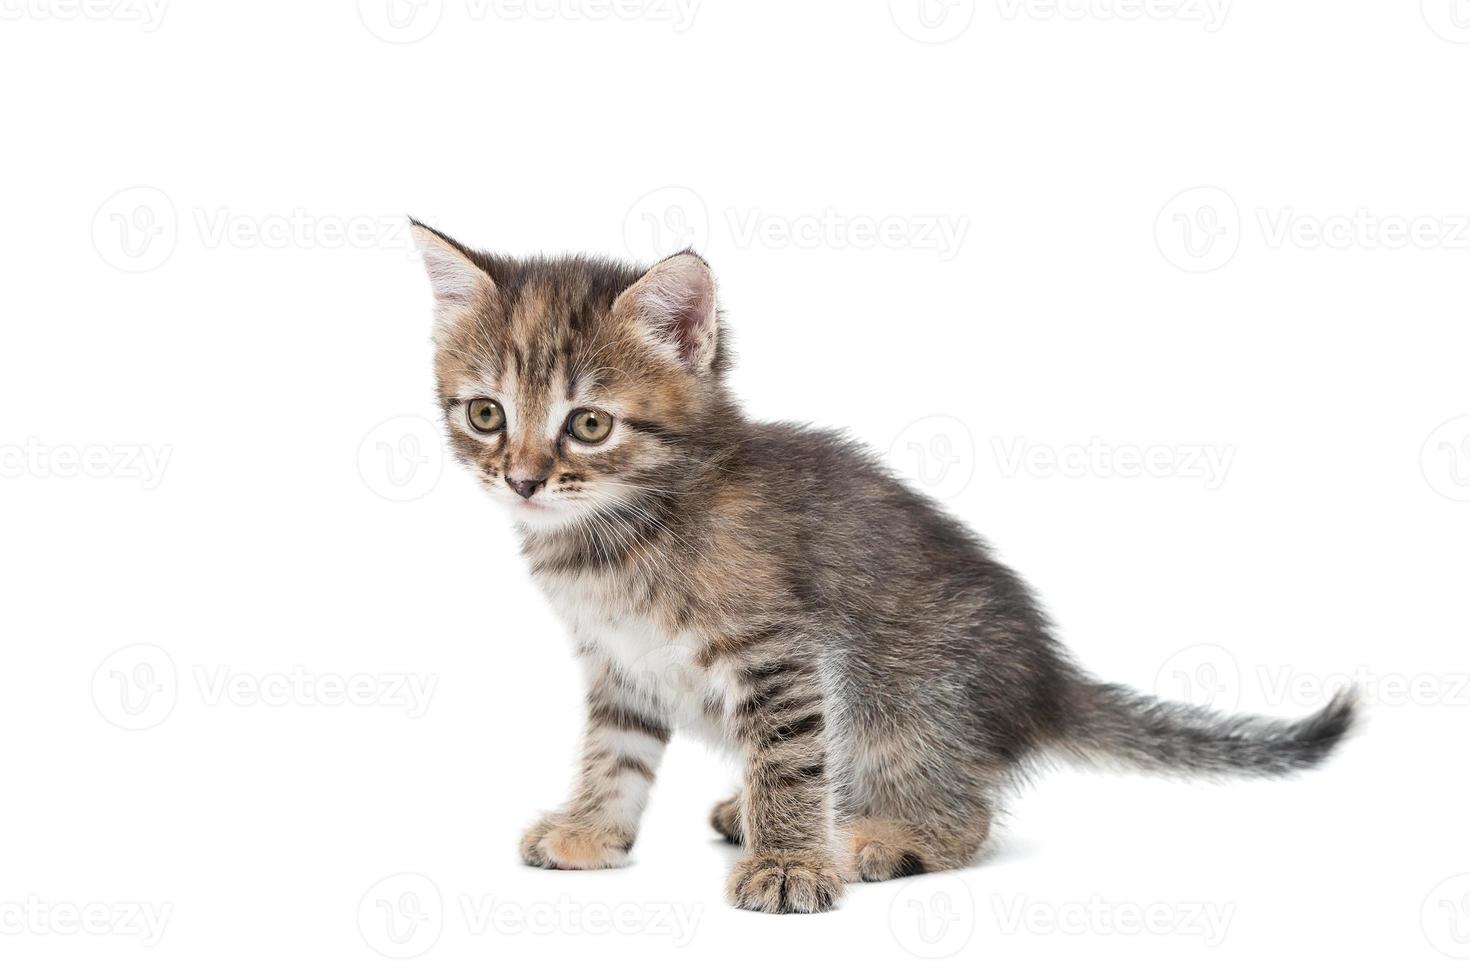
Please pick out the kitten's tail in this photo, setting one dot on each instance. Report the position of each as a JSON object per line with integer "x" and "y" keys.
{"x": 1112, "y": 723}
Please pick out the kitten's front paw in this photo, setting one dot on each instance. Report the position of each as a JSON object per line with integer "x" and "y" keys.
{"x": 559, "y": 843}
{"x": 785, "y": 881}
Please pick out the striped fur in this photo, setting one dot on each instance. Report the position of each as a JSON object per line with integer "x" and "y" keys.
{"x": 773, "y": 589}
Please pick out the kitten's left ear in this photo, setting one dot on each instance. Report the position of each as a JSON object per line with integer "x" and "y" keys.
{"x": 673, "y": 304}
{"x": 457, "y": 280}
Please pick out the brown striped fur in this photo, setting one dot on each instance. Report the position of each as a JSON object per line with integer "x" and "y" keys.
{"x": 772, "y": 588}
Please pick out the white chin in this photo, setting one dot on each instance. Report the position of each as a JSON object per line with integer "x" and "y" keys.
{"x": 533, "y": 515}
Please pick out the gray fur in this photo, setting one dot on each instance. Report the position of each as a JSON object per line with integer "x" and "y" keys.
{"x": 882, "y": 675}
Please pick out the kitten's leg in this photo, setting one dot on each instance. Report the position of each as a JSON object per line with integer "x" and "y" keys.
{"x": 621, "y": 750}
{"x": 725, "y": 818}
{"x": 787, "y": 823}
{"x": 884, "y": 849}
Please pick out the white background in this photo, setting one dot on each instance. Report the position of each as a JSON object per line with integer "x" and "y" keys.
{"x": 1185, "y": 232}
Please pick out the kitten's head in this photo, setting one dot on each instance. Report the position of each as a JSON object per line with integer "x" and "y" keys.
{"x": 572, "y": 386}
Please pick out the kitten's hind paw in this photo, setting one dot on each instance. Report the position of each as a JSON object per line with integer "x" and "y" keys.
{"x": 725, "y": 818}
{"x": 884, "y": 849}
{"x": 558, "y": 843}
{"x": 785, "y": 881}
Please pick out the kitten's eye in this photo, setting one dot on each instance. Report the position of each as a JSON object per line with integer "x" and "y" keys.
{"x": 589, "y": 425}
{"x": 486, "y": 415}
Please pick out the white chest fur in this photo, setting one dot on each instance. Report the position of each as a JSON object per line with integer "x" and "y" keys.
{"x": 660, "y": 666}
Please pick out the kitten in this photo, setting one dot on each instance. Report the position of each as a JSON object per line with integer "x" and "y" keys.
{"x": 770, "y": 586}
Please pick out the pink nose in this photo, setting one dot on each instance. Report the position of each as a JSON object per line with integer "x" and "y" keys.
{"x": 524, "y": 487}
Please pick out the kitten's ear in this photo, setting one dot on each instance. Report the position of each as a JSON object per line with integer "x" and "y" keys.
{"x": 674, "y": 306}
{"x": 458, "y": 282}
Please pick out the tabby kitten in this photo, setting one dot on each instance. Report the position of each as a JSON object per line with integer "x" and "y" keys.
{"x": 771, "y": 587}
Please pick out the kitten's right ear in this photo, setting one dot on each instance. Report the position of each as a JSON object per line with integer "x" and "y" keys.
{"x": 457, "y": 280}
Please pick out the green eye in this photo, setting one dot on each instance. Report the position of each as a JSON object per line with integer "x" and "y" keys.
{"x": 486, "y": 415}
{"x": 589, "y": 425}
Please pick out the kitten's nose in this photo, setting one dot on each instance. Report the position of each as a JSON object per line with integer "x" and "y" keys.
{"x": 524, "y": 487}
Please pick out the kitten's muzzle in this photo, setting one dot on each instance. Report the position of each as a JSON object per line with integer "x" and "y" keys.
{"x": 524, "y": 487}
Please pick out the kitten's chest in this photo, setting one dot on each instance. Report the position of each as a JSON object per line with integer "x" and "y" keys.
{"x": 602, "y": 613}
{"x": 662, "y": 663}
